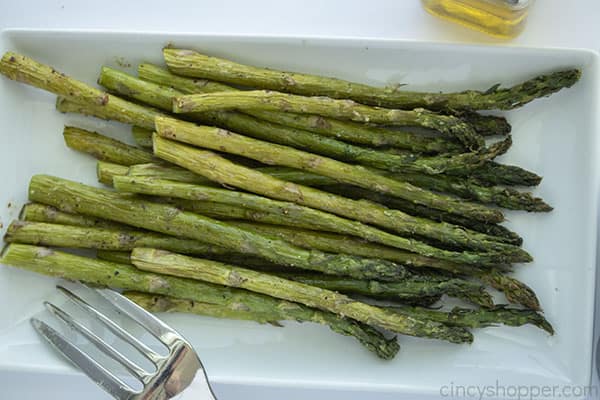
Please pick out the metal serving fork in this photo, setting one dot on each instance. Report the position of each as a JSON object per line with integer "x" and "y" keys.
{"x": 175, "y": 371}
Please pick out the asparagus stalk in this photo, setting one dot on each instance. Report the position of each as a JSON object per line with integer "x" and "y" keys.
{"x": 370, "y": 135}
{"x": 162, "y": 97}
{"x": 409, "y": 288}
{"x": 104, "y": 148}
{"x": 107, "y": 171}
{"x": 121, "y": 257}
{"x": 470, "y": 189}
{"x": 194, "y": 64}
{"x": 88, "y": 108}
{"x": 352, "y": 132}
{"x": 259, "y": 265}
{"x": 71, "y": 196}
{"x": 486, "y": 125}
{"x": 174, "y": 264}
{"x": 56, "y": 235}
{"x": 500, "y": 233}
{"x": 35, "y": 212}
{"x": 442, "y": 232}
{"x": 469, "y": 318}
{"x": 55, "y": 263}
{"x": 142, "y": 137}
{"x": 366, "y": 335}
{"x": 229, "y": 142}
{"x": 263, "y": 100}
{"x": 26, "y": 70}
{"x": 489, "y": 173}
{"x": 174, "y": 173}
{"x": 492, "y": 173}
{"x": 516, "y": 292}
{"x": 245, "y": 261}
{"x": 414, "y": 292}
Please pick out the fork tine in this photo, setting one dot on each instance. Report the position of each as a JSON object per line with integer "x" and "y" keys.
{"x": 116, "y": 329}
{"x": 107, "y": 349}
{"x": 81, "y": 359}
{"x": 155, "y": 326}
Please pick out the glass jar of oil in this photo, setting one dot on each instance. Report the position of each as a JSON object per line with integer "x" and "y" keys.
{"x": 502, "y": 18}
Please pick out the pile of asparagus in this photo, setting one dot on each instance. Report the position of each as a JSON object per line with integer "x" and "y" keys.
{"x": 266, "y": 195}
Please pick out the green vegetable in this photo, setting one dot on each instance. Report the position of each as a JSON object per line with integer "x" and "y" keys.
{"x": 153, "y": 260}
{"x": 191, "y": 63}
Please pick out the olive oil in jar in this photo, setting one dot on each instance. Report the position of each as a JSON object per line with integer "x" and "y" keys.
{"x": 501, "y": 18}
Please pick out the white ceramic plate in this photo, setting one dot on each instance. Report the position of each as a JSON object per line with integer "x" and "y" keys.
{"x": 556, "y": 137}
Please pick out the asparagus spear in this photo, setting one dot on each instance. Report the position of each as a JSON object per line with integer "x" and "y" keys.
{"x": 104, "y": 148}
{"x": 406, "y": 297}
{"x": 408, "y": 288}
{"x": 35, "y": 212}
{"x": 469, "y": 318}
{"x": 55, "y": 263}
{"x": 414, "y": 291}
{"x": 368, "y": 336}
{"x": 470, "y": 189}
{"x": 121, "y": 257}
{"x": 174, "y": 173}
{"x": 222, "y": 140}
{"x": 162, "y": 97}
{"x": 344, "y": 130}
{"x": 486, "y": 125}
{"x": 56, "y": 235}
{"x": 501, "y": 233}
{"x": 405, "y": 137}
{"x": 143, "y": 137}
{"x": 492, "y": 173}
{"x": 193, "y": 64}
{"x": 246, "y": 261}
{"x": 516, "y": 292}
{"x": 174, "y": 264}
{"x": 263, "y": 100}
{"x": 88, "y": 108}
{"x": 70, "y": 196}
{"x": 26, "y": 70}
{"x": 106, "y": 171}
{"x": 442, "y": 232}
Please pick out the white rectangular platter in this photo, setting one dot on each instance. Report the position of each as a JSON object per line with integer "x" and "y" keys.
{"x": 556, "y": 137}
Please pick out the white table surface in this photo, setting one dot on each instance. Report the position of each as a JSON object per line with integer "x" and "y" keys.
{"x": 552, "y": 23}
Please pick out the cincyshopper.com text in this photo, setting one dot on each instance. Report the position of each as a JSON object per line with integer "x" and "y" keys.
{"x": 518, "y": 392}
